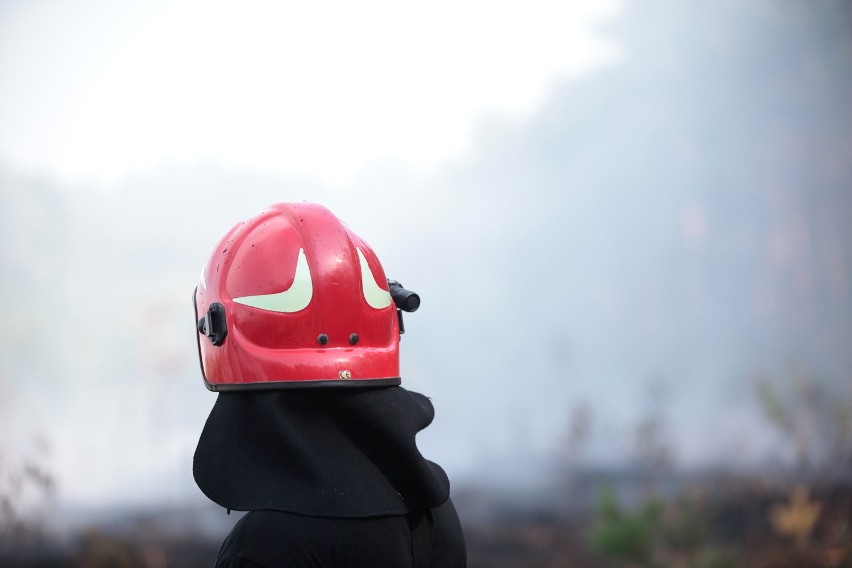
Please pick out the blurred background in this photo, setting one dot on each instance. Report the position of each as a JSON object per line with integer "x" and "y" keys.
{"x": 630, "y": 224}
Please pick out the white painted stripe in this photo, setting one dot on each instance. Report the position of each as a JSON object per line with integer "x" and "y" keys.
{"x": 295, "y": 298}
{"x": 376, "y": 297}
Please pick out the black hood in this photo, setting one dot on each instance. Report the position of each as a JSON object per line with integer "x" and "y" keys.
{"x": 323, "y": 452}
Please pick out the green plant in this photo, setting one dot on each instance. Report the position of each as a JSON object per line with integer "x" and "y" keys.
{"x": 657, "y": 534}
{"x": 815, "y": 418}
{"x": 27, "y": 489}
{"x": 626, "y": 535}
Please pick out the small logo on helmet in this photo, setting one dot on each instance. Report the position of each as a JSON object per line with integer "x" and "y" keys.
{"x": 344, "y": 374}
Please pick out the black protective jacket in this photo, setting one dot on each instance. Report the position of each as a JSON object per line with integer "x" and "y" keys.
{"x": 330, "y": 477}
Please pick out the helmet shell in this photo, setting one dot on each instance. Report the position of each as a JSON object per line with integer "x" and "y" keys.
{"x": 305, "y": 302}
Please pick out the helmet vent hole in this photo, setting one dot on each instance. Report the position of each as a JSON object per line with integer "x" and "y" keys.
{"x": 353, "y": 339}
{"x": 322, "y": 339}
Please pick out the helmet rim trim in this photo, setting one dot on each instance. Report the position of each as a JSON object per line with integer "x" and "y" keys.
{"x": 278, "y": 385}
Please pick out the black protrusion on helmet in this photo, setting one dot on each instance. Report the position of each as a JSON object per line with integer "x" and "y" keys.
{"x": 213, "y": 324}
{"x": 401, "y": 323}
{"x": 405, "y": 300}
{"x": 322, "y": 339}
{"x": 353, "y": 339}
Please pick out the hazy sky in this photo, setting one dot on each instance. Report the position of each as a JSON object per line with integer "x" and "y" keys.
{"x": 587, "y": 220}
{"x": 93, "y": 90}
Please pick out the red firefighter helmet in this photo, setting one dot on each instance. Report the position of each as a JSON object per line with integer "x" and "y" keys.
{"x": 293, "y": 297}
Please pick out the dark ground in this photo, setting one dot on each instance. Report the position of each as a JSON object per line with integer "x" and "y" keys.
{"x": 706, "y": 526}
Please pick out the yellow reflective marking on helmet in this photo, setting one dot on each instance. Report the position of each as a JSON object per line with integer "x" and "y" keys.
{"x": 295, "y": 298}
{"x": 376, "y": 297}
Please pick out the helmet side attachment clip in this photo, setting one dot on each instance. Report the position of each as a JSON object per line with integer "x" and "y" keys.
{"x": 405, "y": 301}
{"x": 213, "y": 324}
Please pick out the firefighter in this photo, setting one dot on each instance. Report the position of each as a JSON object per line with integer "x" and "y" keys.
{"x": 311, "y": 432}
